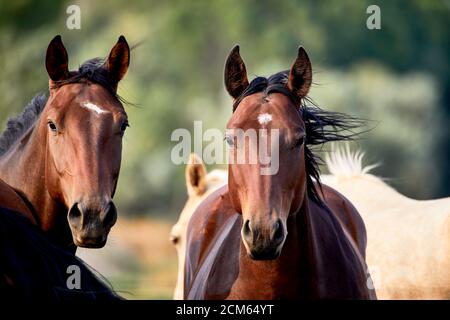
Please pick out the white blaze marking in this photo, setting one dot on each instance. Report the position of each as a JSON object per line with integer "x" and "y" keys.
{"x": 93, "y": 107}
{"x": 264, "y": 118}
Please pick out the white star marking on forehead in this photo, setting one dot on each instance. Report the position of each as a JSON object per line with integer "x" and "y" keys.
{"x": 93, "y": 107}
{"x": 264, "y": 118}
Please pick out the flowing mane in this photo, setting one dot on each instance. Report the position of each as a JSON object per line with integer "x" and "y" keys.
{"x": 321, "y": 126}
{"x": 17, "y": 126}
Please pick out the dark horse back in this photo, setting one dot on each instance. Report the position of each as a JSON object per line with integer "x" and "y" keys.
{"x": 32, "y": 268}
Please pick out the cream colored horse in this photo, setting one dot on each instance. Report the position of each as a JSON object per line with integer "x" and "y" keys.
{"x": 199, "y": 185}
{"x": 408, "y": 241}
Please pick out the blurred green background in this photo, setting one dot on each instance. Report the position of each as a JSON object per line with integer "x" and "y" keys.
{"x": 397, "y": 76}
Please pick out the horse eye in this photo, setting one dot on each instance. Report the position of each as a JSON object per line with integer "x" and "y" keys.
{"x": 124, "y": 126}
{"x": 52, "y": 126}
{"x": 174, "y": 239}
{"x": 299, "y": 142}
{"x": 229, "y": 140}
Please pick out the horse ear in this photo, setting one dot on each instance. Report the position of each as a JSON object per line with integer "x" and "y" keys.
{"x": 300, "y": 75}
{"x": 118, "y": 61}
{"x": 57, "y": 60}
{"x": 195, "y": 176}
{"x": 235, "y": 73}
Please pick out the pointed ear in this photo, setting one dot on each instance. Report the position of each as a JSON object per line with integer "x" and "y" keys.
{"x": 300, "y": 76}
{"x": 57, "y": 60}
{"x": 118, "y": 61}
{"x": 195, "y": 176}
{"x": 235, "y": 73}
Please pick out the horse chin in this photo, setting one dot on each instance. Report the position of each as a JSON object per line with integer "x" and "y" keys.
{"x": 91, "y": 245}
{"x": 267, "y": 254}
{"x": 90, "y": 242}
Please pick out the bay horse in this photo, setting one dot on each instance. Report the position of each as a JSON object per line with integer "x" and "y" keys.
{"x": 200, "y": 184}
{"x": 408, "y": 247}
{"x": 272, "y": 236}
{"x": 10, "y": 200}
{"x": 62, "y": 155}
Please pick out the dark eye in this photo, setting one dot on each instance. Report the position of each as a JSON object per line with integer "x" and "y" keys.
{"x": 124, "y": 126}
{"x": 174, "y": 239}
{"x": 229, "y": 140}
{"x": 299, "y": 142}
{"x": 52, "y": 126}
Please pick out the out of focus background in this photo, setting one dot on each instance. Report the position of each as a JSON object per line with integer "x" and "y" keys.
{"x": 397, "y": 76}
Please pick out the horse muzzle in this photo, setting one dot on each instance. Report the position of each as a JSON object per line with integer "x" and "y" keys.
{"x": 90, "y": 225}
{"x": 263, "y": 242}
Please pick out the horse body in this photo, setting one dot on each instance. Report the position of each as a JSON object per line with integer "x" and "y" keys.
{"x": 268, "y": 234}
{"x": 408, "y": 247}
{"x": 218, "y": 267}
{"x": 9, "y": 199}
{"x": 32, "y": 268}
{"x": 201, "y": 184}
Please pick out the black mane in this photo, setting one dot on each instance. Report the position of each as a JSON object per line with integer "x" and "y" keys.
{"x": 321, "y": 126}
{"x": 92, "y": 70}
{"x": 17, "y": 126}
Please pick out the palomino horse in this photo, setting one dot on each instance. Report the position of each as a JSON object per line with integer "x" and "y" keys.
{"x": 408, "y": 248}
{"x": 62, "y": 155}
{"x": 200, "y": 184}
{"x": 271, "y": 236}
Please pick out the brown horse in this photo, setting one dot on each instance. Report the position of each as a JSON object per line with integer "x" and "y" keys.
{"x": 63, "y": 155}
{"x": 272, "y": 236}
{"x": 10, "y": 200}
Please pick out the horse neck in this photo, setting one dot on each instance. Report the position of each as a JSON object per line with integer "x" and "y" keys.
{"x": 284, "y": 277}
{"x": 317, "y": 261}
{"x": 23, "y": 168}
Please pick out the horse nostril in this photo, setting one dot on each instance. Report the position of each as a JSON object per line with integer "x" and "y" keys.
{"x": 110, "y": 215}
{"x": 246, "y": 231}
{"x": 247, "y": 227}
{"x": 279, "y": 231}
{"x": 75, "y": 214}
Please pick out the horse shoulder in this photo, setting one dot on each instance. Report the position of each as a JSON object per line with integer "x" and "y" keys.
{"x": 9, "y": 199}
{"x": 347, "y": 215}
{"x": 336, "y": 247}
{"x": 211, "y": 240}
